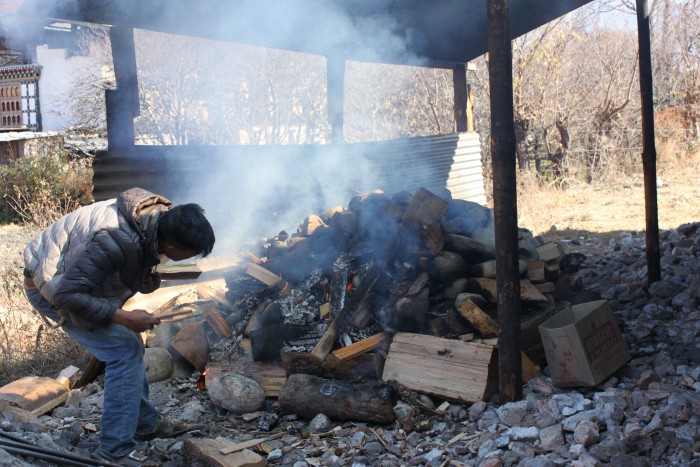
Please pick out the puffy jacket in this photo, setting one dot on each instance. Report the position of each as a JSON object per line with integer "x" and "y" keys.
{"x": 89, "y": 262}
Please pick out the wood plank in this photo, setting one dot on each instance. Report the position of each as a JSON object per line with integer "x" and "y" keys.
{"x": 35, "y": 394}
{"x": 207, "y": 292}
{"x": 206, "y": 452}
{"x": 217, "y": 322}
{"x": 550, "y": 251}
{"x": 265, "y": 276}
{"x": 535, "y": 271}
{"x": 528, "y": 292}
{"x": 443, "y": 367}
{"x": 363, "y": 346}
{"x": 425, "y": 208}
{"x": 179, "y": 271}
{"x": 546, "y": 287}
{"x": 483, "y": 323}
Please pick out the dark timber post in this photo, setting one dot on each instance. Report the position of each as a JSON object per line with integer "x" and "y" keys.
{"x": 459, "y": 82}
{"x": 123, "y": 102}
{"x": 335, "y": 70}
{"x": 649, "y": 147}
{"x": 505, "y": 199}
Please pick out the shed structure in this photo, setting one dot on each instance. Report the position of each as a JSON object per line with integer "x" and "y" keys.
{"x": 439, "y": 33}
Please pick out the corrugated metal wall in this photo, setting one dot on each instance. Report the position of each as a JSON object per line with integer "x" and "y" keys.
{"x": 433, "y": 162}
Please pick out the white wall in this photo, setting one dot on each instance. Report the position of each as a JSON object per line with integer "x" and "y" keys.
{"x": 57, "y": 77}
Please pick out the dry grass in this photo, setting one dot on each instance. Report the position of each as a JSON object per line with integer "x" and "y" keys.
{"x": 605, "y": 209}
{"x": 27, "y": 345}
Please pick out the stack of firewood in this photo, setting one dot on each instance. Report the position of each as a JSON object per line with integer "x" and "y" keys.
{"x": 392, "y": 289}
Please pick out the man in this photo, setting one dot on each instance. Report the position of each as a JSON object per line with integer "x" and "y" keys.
{"x": 81, "y": 270}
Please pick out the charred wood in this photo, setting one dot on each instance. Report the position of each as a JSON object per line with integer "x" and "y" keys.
{"x": 366, "y": 401}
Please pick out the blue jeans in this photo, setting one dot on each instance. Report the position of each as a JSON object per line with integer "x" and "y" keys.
{"x": 126, "y": 410}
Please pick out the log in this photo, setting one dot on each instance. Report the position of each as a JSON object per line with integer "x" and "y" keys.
{"x": 535, "y": 271}
{"x": 191, "y": 342}
{"x": 217, "y": 322}
{"x": 368, "y": 365}
{"x": 472, "y": 250}
{"x": 362, "y": 347}
{"x": 267, "y": 277}
{"x": 93, "y": 369}
{"x": 488, "y": 269}
{"x": 528, "y": 292}
{"x": 425, "y": 208}
{"x": 447, "y": 368}
{"x": 487, "y": 325}
{"x": 206, "y": 452}
{"x": 266, "y": 342}
{"x": 206, "y": 292}
{"x": 550, "y": 251}
{"x": 68, "y": 376}
{"x": 365, "y": 401}
{"x": 481, "y": 321}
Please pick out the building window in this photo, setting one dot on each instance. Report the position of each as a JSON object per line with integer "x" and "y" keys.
{"x": 19, "y": 97}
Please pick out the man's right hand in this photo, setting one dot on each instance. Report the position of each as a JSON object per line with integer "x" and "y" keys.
{"x": 136, "y": 320}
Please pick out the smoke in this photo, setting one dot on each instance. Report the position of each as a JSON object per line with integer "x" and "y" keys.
{"x": 247, "y": 197}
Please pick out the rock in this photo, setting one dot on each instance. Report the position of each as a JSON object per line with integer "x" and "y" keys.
{"x": 236, "y": 392}
{"x": 158, "y": 363}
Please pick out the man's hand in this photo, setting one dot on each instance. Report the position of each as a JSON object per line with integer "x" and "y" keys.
{"x": 137, "y": 320}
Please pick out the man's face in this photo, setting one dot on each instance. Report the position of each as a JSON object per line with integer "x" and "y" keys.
{"x": 177, "y": 253}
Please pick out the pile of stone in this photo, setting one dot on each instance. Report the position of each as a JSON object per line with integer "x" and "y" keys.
{"x": 647, "y": 413}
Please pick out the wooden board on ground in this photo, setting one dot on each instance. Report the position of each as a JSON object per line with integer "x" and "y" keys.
{"x": 206, "y": 452}
{"x": 35, "y": 394}
{"x": 443, "y": 367}
{"x": 528, "y": 292}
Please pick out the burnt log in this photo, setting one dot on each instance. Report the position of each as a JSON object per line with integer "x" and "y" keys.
{"x": 368, "y": 366}
{"x": 366, "y": 401}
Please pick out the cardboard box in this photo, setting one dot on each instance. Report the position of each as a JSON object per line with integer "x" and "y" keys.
{"x": 583, "y": 344}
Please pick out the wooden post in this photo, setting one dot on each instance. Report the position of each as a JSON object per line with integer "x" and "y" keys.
{"x": 505, "y": 198}
{"x": 459, "y": 82}
{"x": 335, "y": 71}
{"x": 649, "y": 148}
{"x": 123, "y": 102}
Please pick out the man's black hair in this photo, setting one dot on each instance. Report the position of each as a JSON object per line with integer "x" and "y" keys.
{"x": 185, "y": 226}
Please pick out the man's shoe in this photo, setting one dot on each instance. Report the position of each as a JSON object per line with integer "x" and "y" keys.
{"x": 167, "y": 428}
{"x": 133, "y": 459}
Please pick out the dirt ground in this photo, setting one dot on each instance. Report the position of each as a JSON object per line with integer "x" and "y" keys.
{"x": 604, "y": 211}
